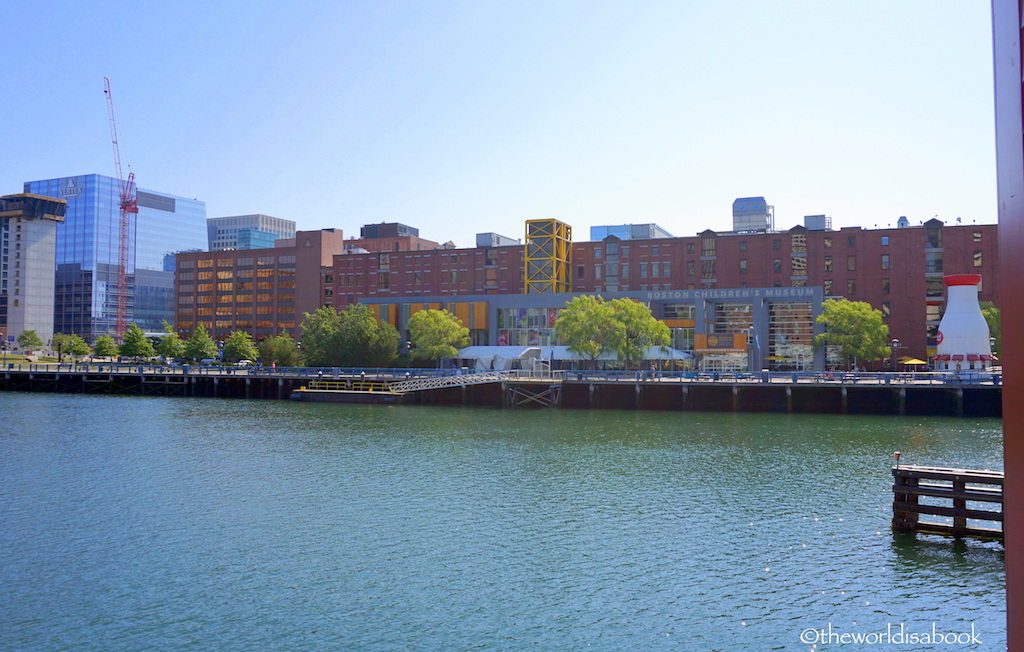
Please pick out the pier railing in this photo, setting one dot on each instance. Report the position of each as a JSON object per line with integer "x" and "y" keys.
{"x": 969, "y": 502}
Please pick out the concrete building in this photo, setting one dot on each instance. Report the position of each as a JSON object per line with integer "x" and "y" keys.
{"x": 629, "y": 232}
{"x": 87, "y": 253}
{"x": 247, "y": 231}
{"x": 28, "y": 255}
{"x": 260, "y": 291}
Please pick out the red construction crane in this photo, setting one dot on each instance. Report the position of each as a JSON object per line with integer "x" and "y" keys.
{"x": 129, "y": 205}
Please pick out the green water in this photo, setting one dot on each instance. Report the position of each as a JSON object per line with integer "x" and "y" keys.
{"x": 193, "y": 524}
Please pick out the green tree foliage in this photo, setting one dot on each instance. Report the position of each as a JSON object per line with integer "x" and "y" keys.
{"x": 633, "y": 330}
{"x": 105, "y": 347}
{"x": 69, "y": 345}
{"x": 170, "y": 345}
{"x": 855, "y": 328}
{"x": 280, "y": 350}
{"x": 239, "y": 346}
{"x": 351, "y": 338}
{"x": 29, "y": 341}
{"x": 436, "y": 334}
{"x": 135, "y": 344}
{"x": 200, "y": 346}
{"x": 320, "y": 337}
{"x": 991, "y": 315}
{"x": 583, "y": 326}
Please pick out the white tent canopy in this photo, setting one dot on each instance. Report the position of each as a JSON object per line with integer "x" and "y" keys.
{"x": 503, "y": 357}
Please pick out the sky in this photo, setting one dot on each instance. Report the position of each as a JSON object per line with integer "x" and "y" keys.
{"x": 462, "y": 117}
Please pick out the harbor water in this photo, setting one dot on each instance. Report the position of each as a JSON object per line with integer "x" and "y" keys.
{"x": 134, "y": 523}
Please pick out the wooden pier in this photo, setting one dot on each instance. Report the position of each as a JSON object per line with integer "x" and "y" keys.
{"x": 965, "y": 496}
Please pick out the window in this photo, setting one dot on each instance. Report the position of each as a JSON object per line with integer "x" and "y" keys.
{"x": 827, "y": 286}
{"x": 597, "y": 272}
{"x": 828, "y": 242}
{"x": 643, "y": 270}
{"x": 777, "y": 265}
{"x": 707, "y": 246}
{"x": 885, "y": 286}
{"x": 655, "y": 269}
{"x": 579, "y": 272}
{"x": 798, "y": 264}
{"x": 977, "y": 259}
{"x": 851, "y": 286}
{"x": 828, "y": 263}
{"x": 851, "y": 263}
{"x": 851, "y": 241}
{"x": 654, "y": 250}
{"x": 798, "y": 243}
{"x": 625, "y": 251}
{"x": 625, "y": 270}
{"x": 977, "y": 236}
{"x": 707, "y": 269}
{"x": 689, "y": 247}
{"x": 886, "y": 310}
{"x": 743, "y": 245}
{"x": 933, "y": 287}
{"x": 665, "y": 270}
{"x": 613, "y": 248}
{"x": 933, "y": 261}
{"x": 885, "y": 241}
{"x": 885, "y": 261}
{"x": 383, "y": 280}
{"x": 777, "y": 243}
{"x": 597, "y": 252}
{"x": 691, "y": 268}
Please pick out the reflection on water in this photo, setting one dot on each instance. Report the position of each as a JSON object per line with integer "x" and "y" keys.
{"x": 191, "y": 523}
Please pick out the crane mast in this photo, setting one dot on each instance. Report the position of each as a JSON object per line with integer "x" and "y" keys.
{"x": 128, "y": 206}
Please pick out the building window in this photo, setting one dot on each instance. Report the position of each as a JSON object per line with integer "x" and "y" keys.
{"x": 885, "y": 261}
{"x": 625, "y": 270}
{"x": 885, "y": 286}
{"x": 665, "y": 269}
{"x": 851, "y": 286}
{"x": 777, "y": 265}
{"x": 654, "y": 250}
{"x": 777, "y": 243}
{"x": 851, "y": 263}
{"x": 827, "y": 286}
{"x": 798, "y": 264}
{"x": 643, "y": 270}
{"x": 886, "y": 310}
{"x": 743, "y": 265}
{"x": 851, "y": 241}
{"x": 597, "y": 272}
{"x": 828, "y": 242}
{"x": 579, "y": 272}
{"x": 689, "y": 247}
{"x": 691, "y": 268}
{"x": 707, "y": 246}
{"x": 933, "y": 261}
{"x": 655, "y": 269}
{"x": 828, "y": 263}
{"x": 613, "y": 248}
{"x": 977, "y": 236}
{"x": 383, "y": 280}
{"x": 934, "y": 287}
{"x": 977, "y": 259}
{"x": 625, "y": 251}
{"x": 597, "y": 252}
{"x": 885, "y": 241}
{"x": 743, "y": 245}
{"x": 707, "y": 269}
{"x": 798, "y": 243}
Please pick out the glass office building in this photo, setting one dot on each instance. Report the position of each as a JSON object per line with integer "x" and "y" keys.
{"x": 87, "y": 253}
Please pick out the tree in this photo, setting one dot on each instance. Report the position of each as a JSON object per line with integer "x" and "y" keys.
{"x": 319, "y": 337}
{"x": 239, "y": 346}
{"x": 991, "y": 315}
{"x": 200, "y": 346}
{"x": 351, "y": 338}
{"x": 364, "y": 341}
{"x": 69, "y": 344}
{"x": 280, "y": 350}
{"x": 634, "y": 330}
{"x": 105, "y": 347}
{"x": 135, "y": 344}
{"x": 29, "y": 341}
{"x": 436, "y": 334}
{"x": 855, "y": 328}
{"x": 170, "y": 345}
{"x": 583, "y": 326}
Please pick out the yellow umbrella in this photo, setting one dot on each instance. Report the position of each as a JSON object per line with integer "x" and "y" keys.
{"x": 914, "y": 361}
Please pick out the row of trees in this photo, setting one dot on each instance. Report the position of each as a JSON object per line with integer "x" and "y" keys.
{"x": 590, "y": 326}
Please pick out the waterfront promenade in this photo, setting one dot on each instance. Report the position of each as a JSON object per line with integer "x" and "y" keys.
{"x": 949, "y": 394}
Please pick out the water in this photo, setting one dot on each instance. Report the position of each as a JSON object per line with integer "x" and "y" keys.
{"x": 132, "y": 523}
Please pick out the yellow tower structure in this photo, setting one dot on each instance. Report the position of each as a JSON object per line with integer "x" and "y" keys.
{"x": 548, "y": 263}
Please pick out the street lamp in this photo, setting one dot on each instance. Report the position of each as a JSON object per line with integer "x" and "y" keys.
{"x": 895, "y": 345}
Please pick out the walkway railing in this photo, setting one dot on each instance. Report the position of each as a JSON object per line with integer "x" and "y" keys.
{"x": 577, "y": 375}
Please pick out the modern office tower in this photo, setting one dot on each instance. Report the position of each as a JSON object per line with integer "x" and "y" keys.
{"x": 629, "y": 232}
{"x": 29, "y": 254}
{"x": 247, "y": 231}
{"x": 752, "y": 214}
{"x": 87, "y": 253}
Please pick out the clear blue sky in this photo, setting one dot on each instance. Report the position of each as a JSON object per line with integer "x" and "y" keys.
{"x": 459, "y": 117}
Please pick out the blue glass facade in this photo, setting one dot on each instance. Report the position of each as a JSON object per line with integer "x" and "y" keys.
{"x": 87, "y": 253}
